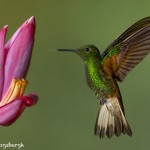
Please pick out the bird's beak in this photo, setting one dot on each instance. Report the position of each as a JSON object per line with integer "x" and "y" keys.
{"x": 67, "y": 50}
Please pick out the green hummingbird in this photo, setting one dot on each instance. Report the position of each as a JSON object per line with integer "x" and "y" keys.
{"x": 104, "y": 70}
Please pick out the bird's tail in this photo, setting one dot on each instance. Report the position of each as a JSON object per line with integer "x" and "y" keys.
{"x": 111, "y": 119}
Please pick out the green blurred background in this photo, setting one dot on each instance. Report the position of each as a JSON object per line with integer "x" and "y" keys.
{"x": 65, "y": 115}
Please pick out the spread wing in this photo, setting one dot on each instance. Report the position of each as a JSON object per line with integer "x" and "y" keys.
{"x": 127, "y": 50}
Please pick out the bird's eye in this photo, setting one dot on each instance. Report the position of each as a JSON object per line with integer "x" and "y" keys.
{"x": 87, "y": 49}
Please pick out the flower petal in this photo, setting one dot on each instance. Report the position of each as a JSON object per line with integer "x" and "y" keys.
{"x": 10, "y": 113}
{"x": 2, "y": 58}
{"x": 19, "y": 51}
{"x": 30, "y": 99}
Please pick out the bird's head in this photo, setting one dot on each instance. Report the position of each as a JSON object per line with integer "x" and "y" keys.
{"x": 85, "y": 52}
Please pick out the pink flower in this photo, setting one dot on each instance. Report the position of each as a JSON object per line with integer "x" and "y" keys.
{"x": 15, "y": 59}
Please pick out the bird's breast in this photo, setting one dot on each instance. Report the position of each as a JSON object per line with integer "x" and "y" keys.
{"x": 99, "y": 82}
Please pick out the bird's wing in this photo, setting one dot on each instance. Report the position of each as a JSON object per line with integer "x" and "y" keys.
{"x": 127, "y": 50}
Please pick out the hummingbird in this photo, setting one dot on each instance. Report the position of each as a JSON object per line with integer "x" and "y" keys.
{"x": 104, "y": 70}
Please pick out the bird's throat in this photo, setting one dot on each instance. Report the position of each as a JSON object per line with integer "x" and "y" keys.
{"x": 94, "y": 74}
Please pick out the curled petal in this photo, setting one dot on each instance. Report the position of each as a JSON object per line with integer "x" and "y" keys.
{"x": 18, "y": 52}
{"x": 10, "y": 112}
{"x": 30, "y": 99}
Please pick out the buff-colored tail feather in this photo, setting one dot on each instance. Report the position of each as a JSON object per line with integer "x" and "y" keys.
{"x": 111, "y": 120}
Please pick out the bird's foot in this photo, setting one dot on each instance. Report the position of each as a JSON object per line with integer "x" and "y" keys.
{"x": 103, "y": 101}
